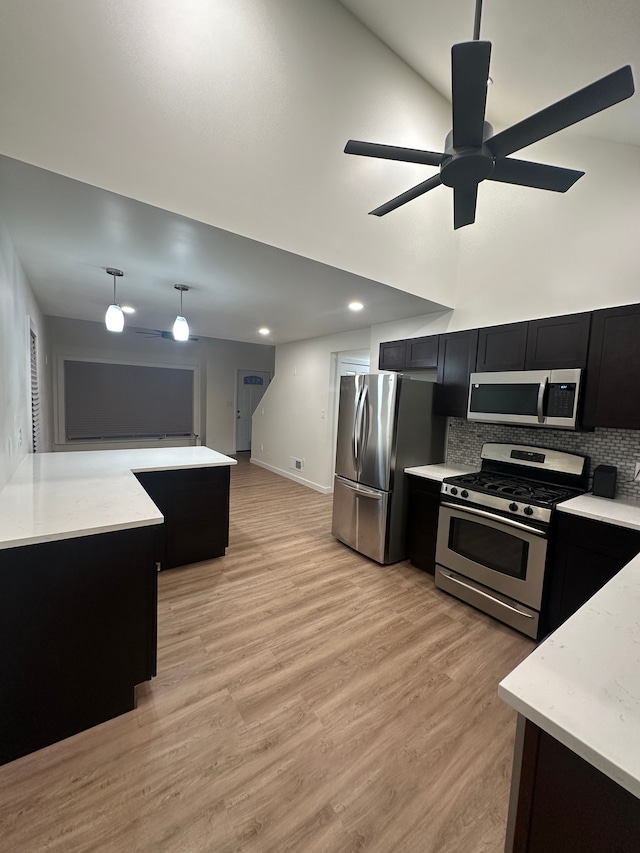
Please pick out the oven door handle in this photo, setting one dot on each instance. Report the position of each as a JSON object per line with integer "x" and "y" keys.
{"x": 497, "y": 518}
{"x": 475, "y": 589}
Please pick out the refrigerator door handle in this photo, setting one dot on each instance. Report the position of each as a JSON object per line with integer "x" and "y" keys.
{"x": 358, "y": 432}
{"x": 354, "y": 430}
{"x": 361, "y": 491}
{"x": 364, "y": 422}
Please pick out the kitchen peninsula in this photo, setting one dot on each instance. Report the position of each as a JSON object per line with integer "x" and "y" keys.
{"x": 79, "y": 542}
{"x": 576, "y": 775}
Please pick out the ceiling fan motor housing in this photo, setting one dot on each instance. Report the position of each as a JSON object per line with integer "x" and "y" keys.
{"x": 467, "y": 165}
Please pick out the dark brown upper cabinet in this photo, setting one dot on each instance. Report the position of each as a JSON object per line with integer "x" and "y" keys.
{"x": 558, "y": 342}
{"x": 392, "y": 355}
{"x": 456, "y": 361}
{"x": 502, "y": 347}
{"x": 612, "y": 393}
{"x": 421, "y": 352}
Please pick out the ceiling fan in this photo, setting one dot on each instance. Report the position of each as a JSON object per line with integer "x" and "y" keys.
{"x": 160, "y": 333}
{"x": 473, "y": 154}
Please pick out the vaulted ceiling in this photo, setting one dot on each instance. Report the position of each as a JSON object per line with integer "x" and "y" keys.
{"x": 202, "y": 141}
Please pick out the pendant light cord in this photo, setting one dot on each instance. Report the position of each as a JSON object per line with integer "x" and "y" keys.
{"x": 114, "y": 289}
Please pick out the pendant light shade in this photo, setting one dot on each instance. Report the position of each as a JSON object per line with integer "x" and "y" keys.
{"x": 114, "y": 318}
{"x": 181, "y": 327}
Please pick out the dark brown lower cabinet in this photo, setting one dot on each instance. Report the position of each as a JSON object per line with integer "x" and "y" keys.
{"x": 585, "y": 555}
{"x": 78, "y": 632}
{"x": 195, "y": 506}
{"x": 422, "y": 521}
{"x": 562, "y": 804}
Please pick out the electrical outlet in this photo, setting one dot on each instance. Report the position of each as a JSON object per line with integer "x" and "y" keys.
{"x": 636, "y": 475}
{"x": 262, "y": 448}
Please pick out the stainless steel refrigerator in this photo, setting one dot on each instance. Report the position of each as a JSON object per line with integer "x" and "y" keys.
{"x": 385, "y": 424}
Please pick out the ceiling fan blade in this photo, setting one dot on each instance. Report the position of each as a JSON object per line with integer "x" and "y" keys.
{"x": 604, "y": 93}
{"x": 464, "y": 205}
{"x": 409, "y": 195}
{"x": 469, "y": 75}
{"x": 538, "y": 175}
{"x": 393, "y": 152}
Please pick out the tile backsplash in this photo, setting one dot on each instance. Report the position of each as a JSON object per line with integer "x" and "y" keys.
{"x": 619, "y": 447}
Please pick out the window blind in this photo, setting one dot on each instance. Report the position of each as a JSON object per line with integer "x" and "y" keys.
{"x": 125, "y": 401}
{"x": 36, "y": 439}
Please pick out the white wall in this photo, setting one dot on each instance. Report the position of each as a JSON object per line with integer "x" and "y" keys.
{"x": 537, "y": 254}
{"x": 235, "y": 114}
{"x": 18, "y": 311}
{"x": 293, "y": 423}
{"x": 217, "y": 362}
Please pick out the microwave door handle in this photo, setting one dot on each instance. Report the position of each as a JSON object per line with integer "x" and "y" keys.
{"x": 541, "y": 392}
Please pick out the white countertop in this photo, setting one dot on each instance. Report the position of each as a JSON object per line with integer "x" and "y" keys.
{"x": 440, "y": 471}
{"x": 63, "y": 495}
{"x": 582, "y": 685}
{"x": 622, "y": 512}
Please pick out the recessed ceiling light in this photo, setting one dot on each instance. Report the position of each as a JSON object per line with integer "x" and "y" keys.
{"x": 356, "y": 306}
{"x": 264, "y": 331}
{"x": 128, "y": 309}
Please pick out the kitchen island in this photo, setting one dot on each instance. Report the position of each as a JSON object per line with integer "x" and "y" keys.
{"x": 79, "y": 543}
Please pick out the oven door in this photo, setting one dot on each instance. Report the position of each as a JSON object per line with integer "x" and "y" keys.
{"x": 504, "y": 555}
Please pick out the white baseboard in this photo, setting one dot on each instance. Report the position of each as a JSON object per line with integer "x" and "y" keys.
{"x": 324, "y": 490}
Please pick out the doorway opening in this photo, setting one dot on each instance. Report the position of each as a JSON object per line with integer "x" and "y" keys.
{"x": 250, "y": 387}
{"x": 347, "y": 363}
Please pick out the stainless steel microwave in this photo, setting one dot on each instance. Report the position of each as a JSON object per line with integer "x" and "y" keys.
{"x": 539, "y": 398}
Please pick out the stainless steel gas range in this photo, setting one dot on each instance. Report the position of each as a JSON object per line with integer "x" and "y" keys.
{"x": 493, "y": 529}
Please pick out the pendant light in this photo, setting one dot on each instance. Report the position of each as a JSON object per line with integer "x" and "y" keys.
{"x": 114, "y": 318}
{"x": 181, "y": 327}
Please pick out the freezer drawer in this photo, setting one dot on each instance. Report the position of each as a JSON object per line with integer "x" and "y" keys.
{"x": 360, "y": 517}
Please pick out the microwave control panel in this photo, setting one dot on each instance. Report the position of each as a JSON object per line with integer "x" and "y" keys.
{"x": 561, "y": 399}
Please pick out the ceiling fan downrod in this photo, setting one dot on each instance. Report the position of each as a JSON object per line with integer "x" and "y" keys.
{"x": 476, "y": 22}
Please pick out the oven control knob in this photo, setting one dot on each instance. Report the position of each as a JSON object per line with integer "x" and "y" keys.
{"x": 528, "y": 510}
{"x": 513, "y": 507}
{"x": 454, "y": 491}
{"x": 464, "y": 493}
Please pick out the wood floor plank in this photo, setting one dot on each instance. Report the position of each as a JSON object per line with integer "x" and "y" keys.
{"x": 307, "y": 699}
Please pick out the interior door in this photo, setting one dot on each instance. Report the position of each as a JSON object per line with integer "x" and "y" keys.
{"x": 251, "y": 385}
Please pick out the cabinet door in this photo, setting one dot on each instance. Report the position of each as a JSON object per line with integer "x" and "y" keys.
{"x": 576, "y": 574}
{"x": 502, "y": 347}
{"x": 557, "y": 342}
{"x": 585, "y": 556}
{"x": 456, "y": 361}
{"x": 613, "y": 369}
{"x": 422, "y": 352}
{"x": 422, "y": 522}
{"x": 564, "y": 804}
{"x": 392, "y": 355}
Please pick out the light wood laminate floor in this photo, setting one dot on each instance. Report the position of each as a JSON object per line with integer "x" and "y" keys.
{"x": 307, "y": 699}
